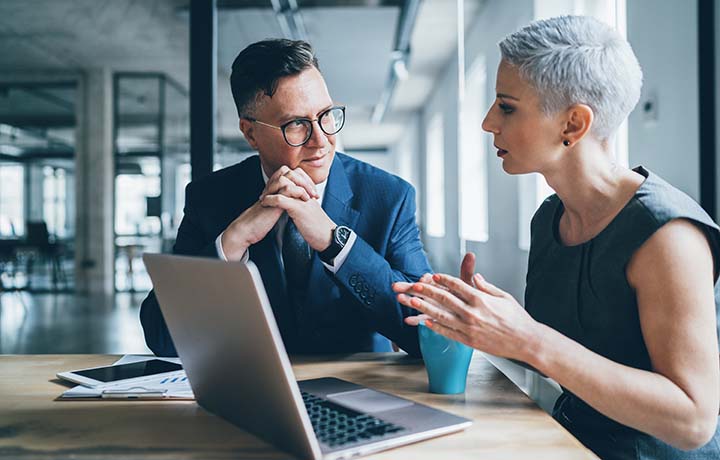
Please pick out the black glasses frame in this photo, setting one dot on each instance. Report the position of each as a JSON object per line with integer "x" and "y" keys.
{"x": 309, "y": 120}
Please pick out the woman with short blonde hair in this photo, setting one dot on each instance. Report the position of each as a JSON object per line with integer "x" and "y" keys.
{"x": 620, "y": 303}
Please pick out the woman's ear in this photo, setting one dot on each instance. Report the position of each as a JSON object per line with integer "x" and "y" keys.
{"x": 248, "y": 129}
{"x": 578, "y": 122}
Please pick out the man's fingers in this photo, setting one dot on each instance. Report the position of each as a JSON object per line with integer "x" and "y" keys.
{"x": 300, "y": 177}
{"x": 281, "y": 171}
{"x": 279, "y": 201}
{"x": 285, "y": 186}
{"x": 301, "y": 172}
{"x": 285, "y": 176}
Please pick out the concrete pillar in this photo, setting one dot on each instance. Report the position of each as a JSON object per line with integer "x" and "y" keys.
{"x": 94, "y": 183}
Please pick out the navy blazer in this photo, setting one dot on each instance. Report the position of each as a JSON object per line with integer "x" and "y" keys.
{"x": 342, "y": 310}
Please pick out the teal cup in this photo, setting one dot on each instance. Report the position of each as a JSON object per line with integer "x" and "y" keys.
{"x": 446, "y": 361}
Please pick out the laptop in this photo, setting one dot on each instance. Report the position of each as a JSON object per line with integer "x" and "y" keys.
{"x": 222, "y": 324}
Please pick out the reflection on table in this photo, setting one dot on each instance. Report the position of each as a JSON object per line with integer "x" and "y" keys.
{"x": 507, "y": 424}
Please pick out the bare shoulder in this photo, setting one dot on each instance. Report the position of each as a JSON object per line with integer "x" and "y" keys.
{"x": 679, "y": 246}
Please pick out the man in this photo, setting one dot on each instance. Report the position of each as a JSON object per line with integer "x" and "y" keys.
{"x": 328, "y": 233}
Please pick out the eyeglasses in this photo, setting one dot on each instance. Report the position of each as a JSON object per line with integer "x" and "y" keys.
{"x": 298, "y": 131}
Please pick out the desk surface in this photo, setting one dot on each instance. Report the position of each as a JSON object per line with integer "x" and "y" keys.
{"x": 507, "y": 424}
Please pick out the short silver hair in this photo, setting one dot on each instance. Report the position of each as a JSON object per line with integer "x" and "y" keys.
{"x": 577, "y": 60}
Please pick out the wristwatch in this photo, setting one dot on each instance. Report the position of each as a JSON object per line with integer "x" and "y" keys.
{"x": 340, "y": 237}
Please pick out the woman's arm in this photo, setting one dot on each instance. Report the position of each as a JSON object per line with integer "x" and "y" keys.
{"x": 672, "y": 274}
{"x": 673, "y": 277}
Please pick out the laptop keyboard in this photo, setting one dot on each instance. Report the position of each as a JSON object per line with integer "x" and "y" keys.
{"x": 336, "y": 425}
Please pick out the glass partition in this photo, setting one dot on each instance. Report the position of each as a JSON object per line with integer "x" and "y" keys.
{"x": 37, "y": 185}
{"x": 151, "y": 150}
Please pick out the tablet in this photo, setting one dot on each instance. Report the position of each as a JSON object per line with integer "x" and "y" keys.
{"x": 125, "y": 373}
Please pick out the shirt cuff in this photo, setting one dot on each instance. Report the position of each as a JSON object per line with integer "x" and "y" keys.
{"x": 221, "y": 253}
{"x": 342, "y": 255}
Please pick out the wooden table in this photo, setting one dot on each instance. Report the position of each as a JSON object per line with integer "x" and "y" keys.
{"x": 507, "y": 424}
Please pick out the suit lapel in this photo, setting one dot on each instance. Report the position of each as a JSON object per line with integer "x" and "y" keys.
{"x": 338, "y": 196}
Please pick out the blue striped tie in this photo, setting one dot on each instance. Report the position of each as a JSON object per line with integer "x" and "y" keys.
{"x": 296, "y": 254}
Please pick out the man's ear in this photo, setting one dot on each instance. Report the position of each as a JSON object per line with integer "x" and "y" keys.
{"x": 248, "y": 129}
{"x": 578, "y": 121}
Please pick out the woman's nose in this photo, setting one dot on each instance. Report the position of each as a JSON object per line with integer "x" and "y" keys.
{"x": 489, "y": 124}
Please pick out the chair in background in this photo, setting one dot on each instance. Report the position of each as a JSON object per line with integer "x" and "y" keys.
{"x": 37, "y": 240}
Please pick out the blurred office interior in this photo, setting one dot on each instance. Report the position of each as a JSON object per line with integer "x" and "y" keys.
{"x": 96, "y": 123}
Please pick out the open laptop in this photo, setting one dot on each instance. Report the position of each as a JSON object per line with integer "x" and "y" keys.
{"x": 224, "y": 330}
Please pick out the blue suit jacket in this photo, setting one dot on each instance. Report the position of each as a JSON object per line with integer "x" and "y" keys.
{"x": 342, "y": 310}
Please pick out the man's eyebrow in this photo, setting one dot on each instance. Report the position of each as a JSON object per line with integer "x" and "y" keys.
{"x": 289, "y": 117}
{"x": 506, "y": 96}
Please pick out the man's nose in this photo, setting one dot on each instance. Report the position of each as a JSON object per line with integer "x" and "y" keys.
{"x": 318, "y": 138}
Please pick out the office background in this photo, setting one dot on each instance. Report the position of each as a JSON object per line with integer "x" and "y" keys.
{"x": 108, "y": 108}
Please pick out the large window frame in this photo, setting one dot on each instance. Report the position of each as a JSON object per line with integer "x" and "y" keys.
{"x": 472, "y": 158}
{"x": 435, "y": 177}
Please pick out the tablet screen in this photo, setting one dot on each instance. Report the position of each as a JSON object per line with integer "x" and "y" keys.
{"x": 129, "y": 371}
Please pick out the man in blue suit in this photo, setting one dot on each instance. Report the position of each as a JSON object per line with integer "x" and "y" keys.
{"x": 329, "y": 234}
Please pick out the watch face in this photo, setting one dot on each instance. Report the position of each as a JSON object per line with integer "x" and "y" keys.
{"x": 342, "y": 234}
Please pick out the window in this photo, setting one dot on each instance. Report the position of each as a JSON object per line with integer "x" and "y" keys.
{"x": 131, "y": 191}
{"x": 534, "y": 189}
{"x": 473, "y": 158}
{"x": 54, "y": 199}
{"x": 435, "y": 177}
{"x": 12, "y": 217}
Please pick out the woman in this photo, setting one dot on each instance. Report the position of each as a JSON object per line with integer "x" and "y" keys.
{"x": 620, "y": 307}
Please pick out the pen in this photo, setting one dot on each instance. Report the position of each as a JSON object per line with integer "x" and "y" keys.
{"x": 130, "y": 394}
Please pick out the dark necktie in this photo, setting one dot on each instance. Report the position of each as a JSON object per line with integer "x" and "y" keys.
{"x": 296, "y": 254}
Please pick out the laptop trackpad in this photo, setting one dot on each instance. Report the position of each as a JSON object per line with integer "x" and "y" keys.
{"x": 368, "y": 400}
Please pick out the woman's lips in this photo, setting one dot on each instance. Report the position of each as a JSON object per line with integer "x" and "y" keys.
{"x": 500, "y": 152}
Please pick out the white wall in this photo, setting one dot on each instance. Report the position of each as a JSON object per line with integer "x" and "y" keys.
{"x": 664, "y": 38}
{"x": 406, "y": 154}
{"x": 500, "y": 258}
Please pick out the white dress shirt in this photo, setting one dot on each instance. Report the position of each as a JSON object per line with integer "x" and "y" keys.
{"x": 280, "y": 230}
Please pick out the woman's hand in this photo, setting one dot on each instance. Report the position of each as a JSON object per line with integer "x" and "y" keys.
{"x": 483, "y": 317}
{"x": 467, "y": 268}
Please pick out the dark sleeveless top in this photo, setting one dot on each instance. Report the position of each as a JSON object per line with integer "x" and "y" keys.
{"x": 582, "y": 291}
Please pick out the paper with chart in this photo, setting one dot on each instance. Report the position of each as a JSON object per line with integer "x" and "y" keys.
{"x": 176, "y": 387}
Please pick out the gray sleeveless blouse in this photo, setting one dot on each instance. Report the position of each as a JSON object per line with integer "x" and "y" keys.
{"x": 582, "y": 291}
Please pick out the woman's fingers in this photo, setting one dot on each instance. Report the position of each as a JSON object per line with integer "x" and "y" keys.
{"x": 402, "y": 286}
{"x": 459, "y": 288}
{"x": 435, "y": 311}
{"x": 448, "y": 332}
{"x": 487, "y": 287}
{"x": 415, "y": 320}
{"x": 442, "y": 296}
{"x": 467, "y": 268}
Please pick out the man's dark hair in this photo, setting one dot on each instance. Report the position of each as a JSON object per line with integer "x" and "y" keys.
{"x": 258, "y": 68}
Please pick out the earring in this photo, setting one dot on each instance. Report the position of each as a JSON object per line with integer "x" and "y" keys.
{"x": 566, "y": 143}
